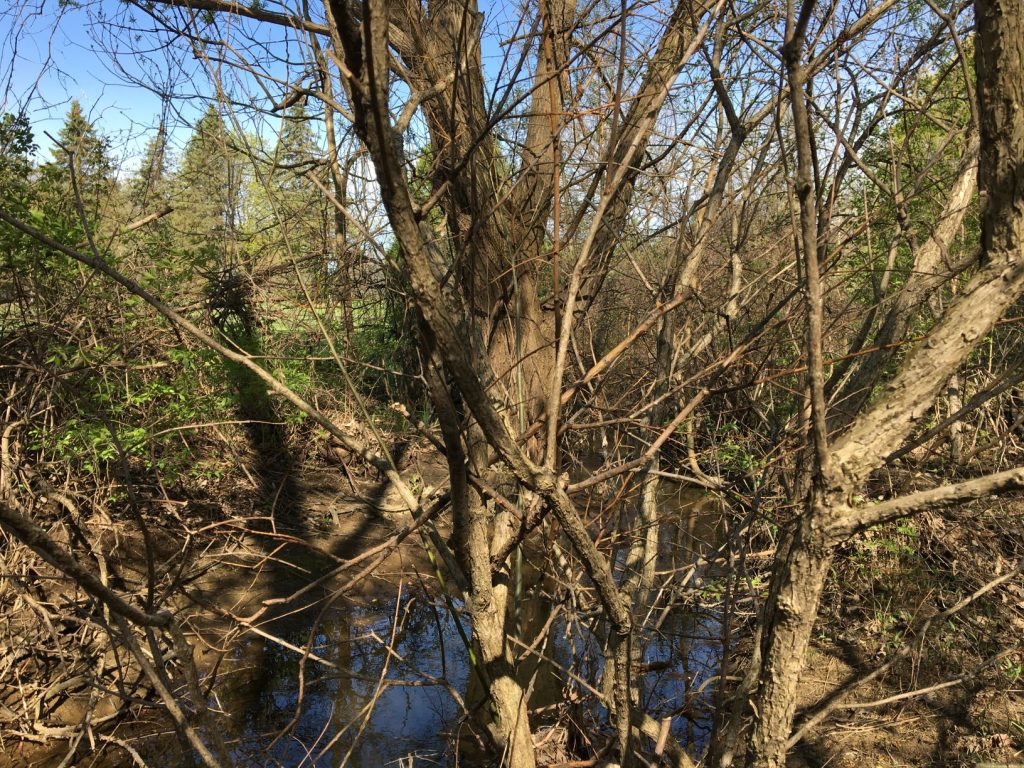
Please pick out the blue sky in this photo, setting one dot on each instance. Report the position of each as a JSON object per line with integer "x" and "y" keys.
{"x": 53, "y": 52}
{"x": 50, "y": 56}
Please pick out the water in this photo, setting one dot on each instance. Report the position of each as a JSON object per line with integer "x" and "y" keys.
{"x": 411, "y": 713}
{"x": 369, "y": 706}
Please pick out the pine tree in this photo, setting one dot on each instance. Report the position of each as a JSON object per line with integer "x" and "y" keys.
{"x": 149, "y": 187}
{"x": 80, "y": 156}
{"x": 299, "y": 202}
{"x": 153, "y": 246}
{"x": 296, "y": 150}
{"x": 207, "y": 191}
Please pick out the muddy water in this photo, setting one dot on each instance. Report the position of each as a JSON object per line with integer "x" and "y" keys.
{"x": 362, "y": 705}
{"x": 684, "y": 649}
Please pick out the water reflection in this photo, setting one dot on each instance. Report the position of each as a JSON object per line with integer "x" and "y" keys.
{"x": 375, "y": 707}
{"x": 684, "y": 647}
{"x": 395, "y": 671}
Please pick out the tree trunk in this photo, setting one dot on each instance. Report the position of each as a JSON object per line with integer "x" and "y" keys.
{"x": 789, "y": 616}
{"x": 803, "y": 564}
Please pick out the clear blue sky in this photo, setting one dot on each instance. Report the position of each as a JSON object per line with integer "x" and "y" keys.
{"x": 51, "y": 53}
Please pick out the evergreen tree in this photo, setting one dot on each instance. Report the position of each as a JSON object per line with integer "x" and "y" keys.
{"x": 80, "y": 153}
{"x": 153, "y": 246}
{"x": 299, "y": 202}
{"x": 207, "y": 191}
{"x": 149, "y": 187}
{"x": 296, "y": 150}
{"x": 16, "y": 149}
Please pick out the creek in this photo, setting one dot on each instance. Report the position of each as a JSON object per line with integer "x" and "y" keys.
{"x": 383, "y": 675}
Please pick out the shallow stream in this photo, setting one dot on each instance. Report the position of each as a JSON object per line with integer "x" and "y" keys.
{"x": 354, "y": 702}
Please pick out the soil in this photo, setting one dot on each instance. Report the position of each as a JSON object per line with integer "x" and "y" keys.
{"x": 890, "y": 580}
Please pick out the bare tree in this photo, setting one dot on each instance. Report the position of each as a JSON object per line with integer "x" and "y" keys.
{"x": 696, "y": 173}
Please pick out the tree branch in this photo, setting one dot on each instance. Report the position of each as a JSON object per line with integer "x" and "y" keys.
{"x": 936, "y": 498}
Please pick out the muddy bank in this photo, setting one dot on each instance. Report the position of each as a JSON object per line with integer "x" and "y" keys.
{"x": 917, "y": 650}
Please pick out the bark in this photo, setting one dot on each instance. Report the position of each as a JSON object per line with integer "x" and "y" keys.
{"x": 909, "y": 396}
{"x": 789, "y": 615}
{"x": 452, "y": 318}
{"x": 1014, "y": 377}
{"x": 803, "y": 563}
{"x": 1000, "y": 77}
{"x": 856, "y": 520}
{"x": 487, "y": 602}
{"x": 497, "y": 238}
